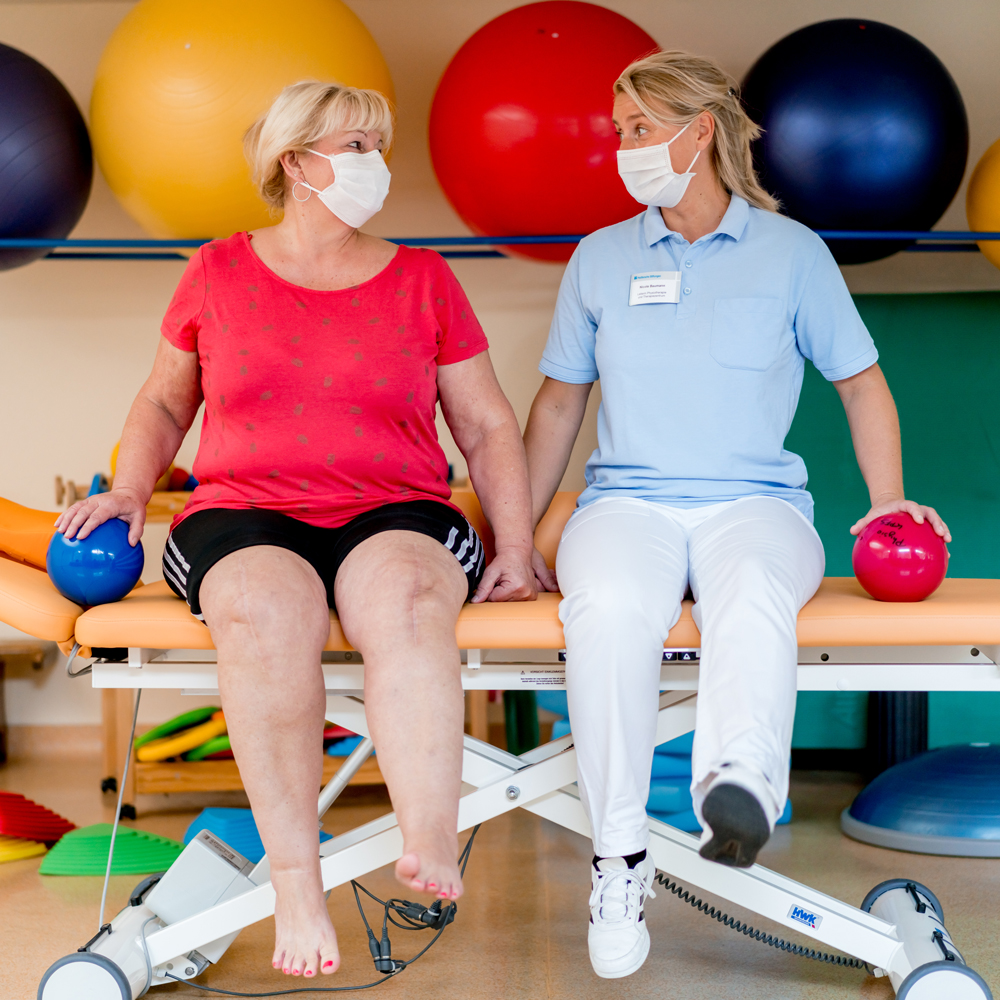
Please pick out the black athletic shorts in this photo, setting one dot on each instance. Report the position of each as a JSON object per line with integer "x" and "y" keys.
{"x": 205, "y": 537}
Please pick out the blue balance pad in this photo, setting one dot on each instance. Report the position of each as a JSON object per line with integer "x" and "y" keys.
{"x": 669, "y": 796}
{"x": 235, "y": 827}
{"x": 670, "y": 788}
{"x": 345, "y": 747}
{"x": 945, "y": 801}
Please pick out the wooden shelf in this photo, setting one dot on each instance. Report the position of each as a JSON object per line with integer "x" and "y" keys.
{"x": 163, "y": 506}
{"x": 146, "y": 778}
{"x": 224, "y": 775}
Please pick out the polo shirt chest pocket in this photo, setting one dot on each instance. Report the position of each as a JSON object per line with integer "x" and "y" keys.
{"x": 747, "y": 333}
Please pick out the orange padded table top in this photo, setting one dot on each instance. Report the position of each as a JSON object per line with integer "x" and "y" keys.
{"x": 29, "y": 602}
{"x": 962, "y": 612}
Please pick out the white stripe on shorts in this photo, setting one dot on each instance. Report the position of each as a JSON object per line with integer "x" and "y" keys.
{"x": 180, "y": 586}
{"x": 177, "y": 552}
{"x": 177, "y": 571}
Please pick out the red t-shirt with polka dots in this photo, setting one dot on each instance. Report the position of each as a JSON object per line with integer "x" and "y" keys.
{"x": 319, "y": 404}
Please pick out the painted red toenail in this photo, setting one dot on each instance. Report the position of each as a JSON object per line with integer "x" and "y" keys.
{"x": 326, "y": 965}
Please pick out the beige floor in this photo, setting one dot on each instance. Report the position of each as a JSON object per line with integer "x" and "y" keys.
{"x": 521, "y": 929}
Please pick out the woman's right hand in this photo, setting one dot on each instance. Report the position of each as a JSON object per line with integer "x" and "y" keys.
{"x": 81, "y": 518}
{"x": 545, "y": 578}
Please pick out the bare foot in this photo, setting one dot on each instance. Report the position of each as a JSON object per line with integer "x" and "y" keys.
{"x": 304, "y": 941}
{"x": 431, "y": 866}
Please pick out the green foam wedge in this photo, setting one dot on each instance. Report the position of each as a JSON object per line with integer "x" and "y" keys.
{"x": 85, "y": 852}
{"x": 184, "y": 721}
{"x": 215, "y": 745}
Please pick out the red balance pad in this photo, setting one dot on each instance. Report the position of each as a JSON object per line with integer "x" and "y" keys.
{"x": 333, "y": 732}
{"x": 20, "y": 817}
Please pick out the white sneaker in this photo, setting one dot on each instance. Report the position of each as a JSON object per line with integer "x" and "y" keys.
{"x": 617, "y": 937}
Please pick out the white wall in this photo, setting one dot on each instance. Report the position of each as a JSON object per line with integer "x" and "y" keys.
{"x": 77, "y": 338}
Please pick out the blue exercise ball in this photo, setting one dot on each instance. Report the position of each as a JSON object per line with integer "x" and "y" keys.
{"x": 864, "y": 129}
{"x": 98, "y": 570}
{"x": 46, "y": 164}
{"x": 944, "y": 801}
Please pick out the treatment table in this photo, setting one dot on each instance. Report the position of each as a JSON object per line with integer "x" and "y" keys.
{"x": 847, "y": 642}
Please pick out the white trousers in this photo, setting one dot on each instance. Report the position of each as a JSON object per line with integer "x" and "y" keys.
{"x": 624, "y": 567}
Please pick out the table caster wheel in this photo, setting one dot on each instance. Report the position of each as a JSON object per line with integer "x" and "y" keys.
{"x": 84, "y": 974}
{"x": 943, "y": 979}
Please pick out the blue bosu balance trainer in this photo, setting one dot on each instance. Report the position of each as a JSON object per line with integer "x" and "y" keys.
{"x": 944, "y": 801}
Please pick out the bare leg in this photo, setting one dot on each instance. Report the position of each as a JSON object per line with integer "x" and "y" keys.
{"x": 398, "y": 595}
{"x": 267, "y": 611}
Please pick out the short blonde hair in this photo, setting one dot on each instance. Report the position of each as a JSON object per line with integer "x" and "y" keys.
{"x": 673, "y": 88}
{"x": 299, "y": 117}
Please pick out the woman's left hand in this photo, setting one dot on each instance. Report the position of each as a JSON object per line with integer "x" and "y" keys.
{"x": 509, "y": 577}
{"x": 917, "y": 511}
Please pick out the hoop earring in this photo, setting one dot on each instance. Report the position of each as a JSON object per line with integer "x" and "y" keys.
{"x": 303, "y": 183}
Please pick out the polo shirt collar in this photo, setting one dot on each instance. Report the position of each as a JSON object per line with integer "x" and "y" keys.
{"x": 733, "y": 223}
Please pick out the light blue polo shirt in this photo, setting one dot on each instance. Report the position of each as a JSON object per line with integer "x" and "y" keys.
{"x": 698, "y": 396}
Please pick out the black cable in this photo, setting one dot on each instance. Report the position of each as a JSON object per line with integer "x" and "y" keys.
{"x": 445, "y": 914}
{"x": 282, "y": 993}
{"x": 727, "y": 921}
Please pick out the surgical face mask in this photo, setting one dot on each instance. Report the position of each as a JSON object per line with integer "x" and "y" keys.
{"x": 650, "y": 177}
{"x": 360, "y": 184}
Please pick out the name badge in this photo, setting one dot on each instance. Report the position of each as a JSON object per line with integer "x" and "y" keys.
{"x": 654, "y": 286}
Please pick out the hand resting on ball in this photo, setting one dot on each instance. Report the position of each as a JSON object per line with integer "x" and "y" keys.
{"x": 917, "y": 511}
{"x": 81, "y": 518}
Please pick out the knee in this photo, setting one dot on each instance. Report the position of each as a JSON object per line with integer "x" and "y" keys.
{"x": 272, "y": 609}
{"x": 416, "y": 604}
{"x": 749, "y": 581}
{"x": 614, "y": 606}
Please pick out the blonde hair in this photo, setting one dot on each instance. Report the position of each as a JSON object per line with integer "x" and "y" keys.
{"x": 673, "y": 88}
{"x": 299, "y": 117}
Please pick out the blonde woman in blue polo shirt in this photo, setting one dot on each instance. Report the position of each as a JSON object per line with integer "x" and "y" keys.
{"x": 698, "y": 316}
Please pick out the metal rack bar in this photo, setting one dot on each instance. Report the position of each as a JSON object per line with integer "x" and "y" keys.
{"x": 926, "y": 241}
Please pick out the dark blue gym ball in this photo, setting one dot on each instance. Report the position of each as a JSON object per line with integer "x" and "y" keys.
{"x": 864, "y": 129}
{"x": 98, "y": 570}
{"x": 46, "y": 164}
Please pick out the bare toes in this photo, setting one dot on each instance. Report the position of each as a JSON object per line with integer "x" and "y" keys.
{"x": 408, "y": 870}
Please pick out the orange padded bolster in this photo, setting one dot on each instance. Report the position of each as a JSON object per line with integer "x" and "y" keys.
{"x": 25, "y": 533}
{"x": 841, "y": 614}
{"x": 29, "y": 602}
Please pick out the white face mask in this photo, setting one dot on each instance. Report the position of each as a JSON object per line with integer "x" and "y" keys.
{"x": 649, "y": 175}
{"x": 360, "y": 184}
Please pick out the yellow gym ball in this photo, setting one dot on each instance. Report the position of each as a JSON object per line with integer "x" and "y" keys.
{"x": 982, "y": 201}
{"x": 180, "y": 82}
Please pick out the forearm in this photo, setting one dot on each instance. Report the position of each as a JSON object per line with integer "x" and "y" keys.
{"x": 149, "y": 443}
{"x": 553, "y": 425}
{"x": 499, "y": 476}
{"x": 874, "y": 422}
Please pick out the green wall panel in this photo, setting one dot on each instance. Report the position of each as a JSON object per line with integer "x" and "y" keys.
{"x": 941, "y": 356}
{"x": 831, "y": 720}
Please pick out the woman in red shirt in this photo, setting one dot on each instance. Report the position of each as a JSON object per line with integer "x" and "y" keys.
{"x": 320, "y": 354}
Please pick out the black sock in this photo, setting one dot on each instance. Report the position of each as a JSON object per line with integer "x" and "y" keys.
{"x": 631, "y": 860}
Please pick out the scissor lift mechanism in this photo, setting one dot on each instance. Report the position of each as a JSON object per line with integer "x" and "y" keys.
{"x": 898, "y": 930}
